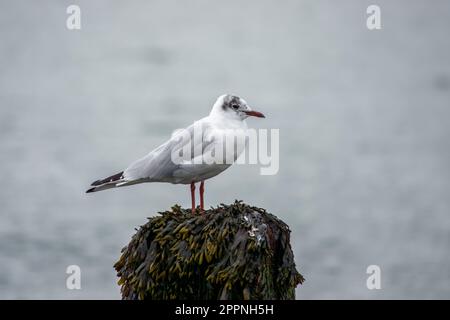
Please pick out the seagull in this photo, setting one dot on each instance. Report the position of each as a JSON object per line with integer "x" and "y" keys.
{"x": 229, "y": 112}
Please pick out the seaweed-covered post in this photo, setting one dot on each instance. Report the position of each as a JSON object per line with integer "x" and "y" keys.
{"x": 229, "y": 252}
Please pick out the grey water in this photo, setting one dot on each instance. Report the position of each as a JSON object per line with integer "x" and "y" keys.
{"x": 364, "y": 120}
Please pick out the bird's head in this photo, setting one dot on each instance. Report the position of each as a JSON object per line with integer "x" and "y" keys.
{"x": 233, "y": 107}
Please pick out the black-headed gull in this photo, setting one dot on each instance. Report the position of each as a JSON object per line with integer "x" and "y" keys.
{"x": 228, "y": 114}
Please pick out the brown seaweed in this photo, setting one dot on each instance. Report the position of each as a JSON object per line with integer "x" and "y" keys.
{"x": 230, "y": 252}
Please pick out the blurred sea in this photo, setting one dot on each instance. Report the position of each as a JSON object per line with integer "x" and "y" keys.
{"x": 364, "y": 119}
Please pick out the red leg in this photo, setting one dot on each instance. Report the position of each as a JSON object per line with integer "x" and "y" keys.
{"x": 193, "y": 196}
{"x": 202, "y": 190}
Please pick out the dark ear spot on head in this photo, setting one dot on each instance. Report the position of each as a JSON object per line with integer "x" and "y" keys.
{"x": 226, "y": 102}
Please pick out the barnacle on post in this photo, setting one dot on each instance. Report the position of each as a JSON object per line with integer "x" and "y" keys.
{"x": 230, "y": 252}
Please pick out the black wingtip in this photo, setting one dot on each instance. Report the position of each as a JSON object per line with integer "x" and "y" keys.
{"x": 90, "y": 190}
{"x": 112, "y": 178}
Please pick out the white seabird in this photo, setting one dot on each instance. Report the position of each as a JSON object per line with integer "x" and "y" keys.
{"x": 228, "y": 114}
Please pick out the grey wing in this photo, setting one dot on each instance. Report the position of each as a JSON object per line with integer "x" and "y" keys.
{"x": 159, "y": 164}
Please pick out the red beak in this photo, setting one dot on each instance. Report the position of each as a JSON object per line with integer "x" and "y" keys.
{"x": 254, "y": 114}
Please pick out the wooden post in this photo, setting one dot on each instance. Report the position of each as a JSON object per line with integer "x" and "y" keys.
{"x": 228, "y": 252}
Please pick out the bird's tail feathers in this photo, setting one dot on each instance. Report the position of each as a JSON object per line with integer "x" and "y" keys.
{"x": 102, "y": 187}
{"x": 113, "y": 181}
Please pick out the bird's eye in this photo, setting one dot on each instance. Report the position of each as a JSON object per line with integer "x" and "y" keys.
{"x": 234, "y": 106}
